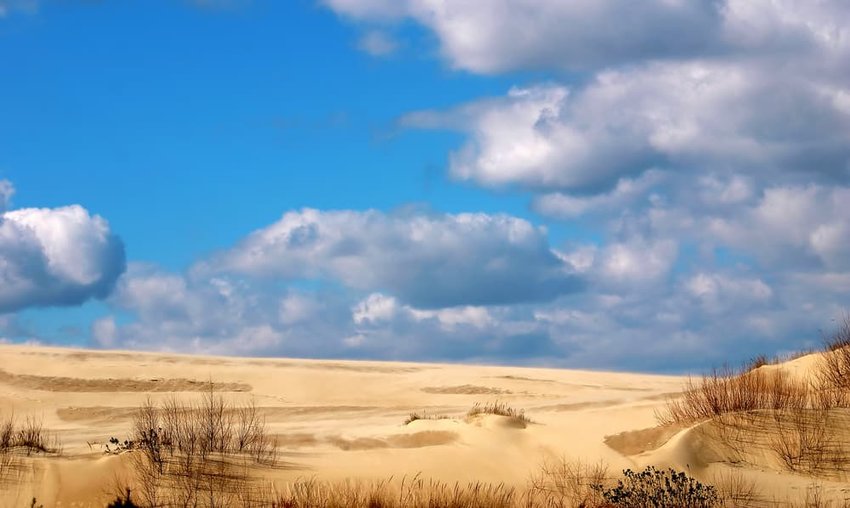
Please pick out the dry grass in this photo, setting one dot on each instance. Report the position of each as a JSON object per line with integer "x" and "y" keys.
{"x": 28, "y": 438}
{"x": 416, "y": 415}
{"x": 198, "y": 454}
{"x": 801, "y": 421}
{"x": 736, "y": 490}
{"x": 18, "y": 441}
{"x": 726, "y": 391}
{"x": 409, "y": 493}
{"x": 834, "y": 369}
{"x": 564, "y": 483}
{"x": 500, "y": 409}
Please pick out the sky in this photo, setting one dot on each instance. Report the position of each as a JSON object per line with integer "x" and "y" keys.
{"x": 656, "y": 186}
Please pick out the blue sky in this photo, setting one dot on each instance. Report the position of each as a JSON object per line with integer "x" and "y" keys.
{"x": 532, "y": 182}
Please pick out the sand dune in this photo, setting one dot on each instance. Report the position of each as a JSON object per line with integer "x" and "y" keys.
{"x": 336, "y": 420}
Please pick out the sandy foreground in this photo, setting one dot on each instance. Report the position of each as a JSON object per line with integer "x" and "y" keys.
{"x": 335, "y": 420}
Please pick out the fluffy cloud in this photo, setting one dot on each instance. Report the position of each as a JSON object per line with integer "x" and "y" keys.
{"x": 230, "y": 315}
{"x": 804, "y": 225}
{"x": 429, "y": 261}
{"x": 687, "y": 116}
{"x": 354, "y": 284}
{"x": 492, "y": 36}
{"x": 487, "y": 36}
{"x": 54, "y": 257}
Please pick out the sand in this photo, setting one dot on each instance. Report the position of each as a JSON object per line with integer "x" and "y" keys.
{"x": 343, "y": 419}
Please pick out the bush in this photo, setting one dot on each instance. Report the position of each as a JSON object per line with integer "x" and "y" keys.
{"x": 652, "y": 488}
{"x": 196, "y": 454}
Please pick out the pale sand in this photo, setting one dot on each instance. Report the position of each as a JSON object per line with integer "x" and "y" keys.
{"x": 344, "y": 419}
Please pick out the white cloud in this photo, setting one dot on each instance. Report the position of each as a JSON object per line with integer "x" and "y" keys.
{"x": 792, "y": 226}
{"x": 490, "y": 36}
{"x": 625, "y": 193}
{"x": 57, "y": 256}
{"x": 690, "y": 116}
{"x": 375, "y": 308}
{"x": 428, "y": 261}
{"x": 637, "y": 260}
{"x": 497, "y": 35}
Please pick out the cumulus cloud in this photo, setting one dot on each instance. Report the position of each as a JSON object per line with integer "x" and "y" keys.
{"x": 232, "y": 315}
{"x": 428, "y": 261}
{"x": 492, "y": 36}
{"x": 354, "y": 284}
{"x": 693, "y": 116}
{"x": 792, "y": 225}
{"x": 486, "y": 36}
{"x": 55, "y": 257}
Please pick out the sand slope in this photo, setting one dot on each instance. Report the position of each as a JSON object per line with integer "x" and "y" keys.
{"x": 341, "y": 419}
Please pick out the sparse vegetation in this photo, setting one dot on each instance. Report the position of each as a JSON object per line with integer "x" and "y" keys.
{"x": 501, "y": 409}
{"x": 567, "y": 483}
{"x": 416, "y": 415}
{"x": 799, "y": 419}
{"x": 410, "y": 493}
{"x": 197, "y": 454}
{"x": 27, "y": 438}
{"x": 834, "y": 369}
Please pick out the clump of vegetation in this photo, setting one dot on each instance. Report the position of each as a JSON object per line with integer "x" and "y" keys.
{"x": 416, "y": 415}
{"x": 834, "y": 369}
{"x": 653, "y": 488}
{"x": 190, "y": 454}
{"x": 501, "y": 409}
{"x": 27, "y": 438}
{"x": 18, "y": 441}
{"x": 726, "y": 391}
{"x": 799, "y": 419}
{"x": 566, "y": 483}
{"x": 414, "y": 493}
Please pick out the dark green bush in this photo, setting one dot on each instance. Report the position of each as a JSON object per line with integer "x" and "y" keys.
{"x": 652, "y": 488}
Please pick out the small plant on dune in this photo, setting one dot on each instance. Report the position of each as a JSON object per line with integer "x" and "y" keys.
{"x": 726, "y": 391}
{"x": 196, "y": 454}
{"x": 653, "y": 488}
{"x": 834, "y": 368}
{"x": 30, "y": 437}
{"x": 500, "y": 409}
{"x": 415, "y": 415}
{"x": 737, "y": 490}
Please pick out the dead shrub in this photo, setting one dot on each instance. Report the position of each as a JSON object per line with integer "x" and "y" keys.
{"x": 564, "y": 483}
{"x": 198, "y": 453}
{"x": 834, "y": 368}
{"x": 725, "y": 391}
